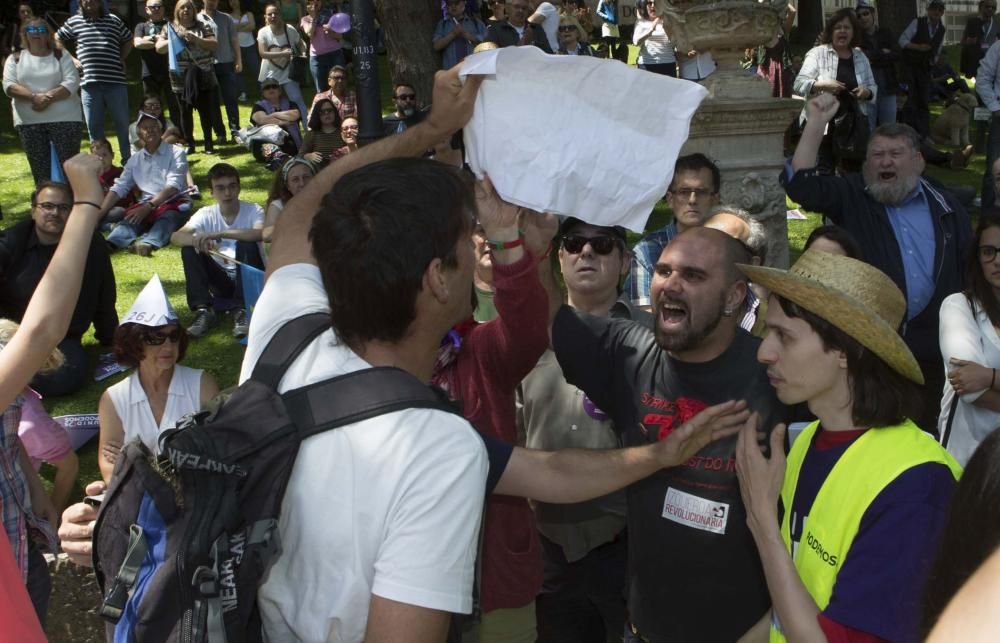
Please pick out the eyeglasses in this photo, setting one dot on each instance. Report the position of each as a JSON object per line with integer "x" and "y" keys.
{"x": 406, "y": 97}
{"x": 687, "y": 193}
{"x": 988, "y": 253}
{"x": 602, "y": 244}
{"x": 154, "y": 7}
{"x": 149, "y": 106}
{"x": 338, "y": 78}
{"x": 328, "y": 110}
{"x": 567, "y": 28}
{"x": 61, "y": 208}
{"x": 34, "y": 29}
{"x": 157, "y": 338}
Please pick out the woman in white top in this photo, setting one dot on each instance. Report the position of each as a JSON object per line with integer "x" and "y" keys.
{"x": 43, "y": 87}
{"x": 656, "y": 53}
{"x": 277, "y": 43}
{"x": 157, "y": 393}
{"x": 970, "y": 406}
{"x": 246, "y": 28}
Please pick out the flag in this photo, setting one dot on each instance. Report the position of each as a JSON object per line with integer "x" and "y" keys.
{"x": 253, "y": 285}
{"x": 174, "y": 47}
{"x": 55, "y": 167}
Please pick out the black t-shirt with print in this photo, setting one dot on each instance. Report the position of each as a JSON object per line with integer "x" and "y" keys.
{"x": 694, "y": 571}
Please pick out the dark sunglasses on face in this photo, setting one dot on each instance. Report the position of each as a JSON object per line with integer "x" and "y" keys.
{"x": 157, "y": 338}
{"x": 567, "y": 28}
{"x": 406, "y": 97}
{"x": 35, "y": 29}
{"x": 602, "y": 244}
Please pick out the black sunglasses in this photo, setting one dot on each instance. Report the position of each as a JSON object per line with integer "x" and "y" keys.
{"x": 602, "y": 244}
{"x": 157, "y": 338}
{"x": 406, "y": 97}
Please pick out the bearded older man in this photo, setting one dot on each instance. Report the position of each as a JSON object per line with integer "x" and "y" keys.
{"x": 909, "y": 228}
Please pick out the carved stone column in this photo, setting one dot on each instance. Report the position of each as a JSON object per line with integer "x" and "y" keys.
{"x": 740, "y": 126}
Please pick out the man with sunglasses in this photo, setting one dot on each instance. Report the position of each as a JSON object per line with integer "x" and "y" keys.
{"x": 155, "y": 74}
{"x": 26, "y": 248}
{"x": 407, "y": 113}
{"x": 583, "y": 545}
{"x": 693, "y": 192}
{"x": 693, "y": 572}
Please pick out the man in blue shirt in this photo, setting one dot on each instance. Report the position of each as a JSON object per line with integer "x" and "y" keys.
{"x": 908, "y": 227}
{"x": 457, "y": 34}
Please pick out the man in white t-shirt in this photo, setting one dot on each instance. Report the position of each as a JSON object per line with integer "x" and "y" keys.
{"x": 213, "y": 243}
{"x": 380, "y": 518}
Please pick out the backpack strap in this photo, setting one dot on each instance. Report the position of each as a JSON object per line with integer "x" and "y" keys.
{"x": 360, "y": 395}
{"x": 286, "y": 345}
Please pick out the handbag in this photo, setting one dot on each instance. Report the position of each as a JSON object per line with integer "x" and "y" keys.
{"x": 299, "y": 63}
{"x": 850, "y": 130}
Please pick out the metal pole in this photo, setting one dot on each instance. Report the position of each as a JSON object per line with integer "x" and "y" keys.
{"x": 366, "y": 72}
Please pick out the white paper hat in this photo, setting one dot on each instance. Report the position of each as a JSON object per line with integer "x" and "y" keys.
{"x": 151, "y": 307}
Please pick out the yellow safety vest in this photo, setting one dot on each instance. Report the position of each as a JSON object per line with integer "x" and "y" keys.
{"x": 867, "y": 467}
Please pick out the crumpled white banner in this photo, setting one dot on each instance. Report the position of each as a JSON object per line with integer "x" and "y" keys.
{"x": 576, "y": 135}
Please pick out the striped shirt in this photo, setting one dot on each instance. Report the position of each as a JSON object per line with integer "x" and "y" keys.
{"x": 98, "y": 45}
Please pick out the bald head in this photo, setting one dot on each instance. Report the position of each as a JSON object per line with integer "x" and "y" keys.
{"x": 731, "y": 224}
{"x": 728, "y": 248}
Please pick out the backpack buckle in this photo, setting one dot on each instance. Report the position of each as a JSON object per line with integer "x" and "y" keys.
{"x": 206, "y": 581}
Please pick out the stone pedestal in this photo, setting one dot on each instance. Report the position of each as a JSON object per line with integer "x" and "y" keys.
{"x": 741, "y": 127}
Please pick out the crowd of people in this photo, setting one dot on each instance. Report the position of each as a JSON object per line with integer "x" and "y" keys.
{"x": 659, "y": 441}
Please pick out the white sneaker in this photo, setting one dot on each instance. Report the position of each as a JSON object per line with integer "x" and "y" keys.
{"x": 242, "y": 97}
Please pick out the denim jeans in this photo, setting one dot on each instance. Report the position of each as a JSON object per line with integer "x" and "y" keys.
{"x": 320, "y": 66}
{"x": 39, "y": 583}
{"x": 884, "y": 111}
{"x": 294, "y": 94}
{"x": 156, "y": 235}
{"x": 97, "y": 97}
{"x": 229, "y": 88}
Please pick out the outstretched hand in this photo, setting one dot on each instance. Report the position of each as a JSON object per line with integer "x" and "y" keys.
{"x": 760, "y": 478}
{"x": 711, "y": 424}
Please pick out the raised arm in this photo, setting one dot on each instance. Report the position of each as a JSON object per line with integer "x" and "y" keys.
{"x": 452, "y": 108}
{"x": 575, "y": 475}
{"x": 819, "y": 111}
{"x": 48, "y": 314}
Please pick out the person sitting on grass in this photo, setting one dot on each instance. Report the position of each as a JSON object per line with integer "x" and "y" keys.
{"x": 323, "y": 142}
{"x": 215, "y": 236}
{"x": 102, "y": 149}
{"x": 288, "y": 182}
{"x": 158, "y": 171}
{"x": 159, "y": 391}
{"x": 152, "y": 105}
{"x": 275, "y": 109}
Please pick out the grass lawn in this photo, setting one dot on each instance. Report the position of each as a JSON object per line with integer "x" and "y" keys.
{"x": 218, "y": 352}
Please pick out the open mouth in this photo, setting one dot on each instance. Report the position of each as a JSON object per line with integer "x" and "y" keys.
{"x": 673, "y": 314}
{"x": 886, "y": 176}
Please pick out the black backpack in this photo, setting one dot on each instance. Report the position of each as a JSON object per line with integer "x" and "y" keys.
{"x": 183, "y": 540}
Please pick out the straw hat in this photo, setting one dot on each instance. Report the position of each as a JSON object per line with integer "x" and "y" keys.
{"x": 852, "y": 295}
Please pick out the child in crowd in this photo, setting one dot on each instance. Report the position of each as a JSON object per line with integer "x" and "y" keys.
{"x": 102, "y": 149}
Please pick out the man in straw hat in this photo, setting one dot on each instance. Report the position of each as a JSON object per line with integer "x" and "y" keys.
{"x": 693, "y": 573}
{"x": 865, "y": 491}
{"x": 908, "y": 226}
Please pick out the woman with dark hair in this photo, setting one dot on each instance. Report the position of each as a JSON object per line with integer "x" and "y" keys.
{"x": 970, "y": 346}
{"x": 656, "y": 52}
{"x": 159, "y": 391}
{"x": 837, "y": 66}
{"x": 971, "y": 534}
{"x": 832, "y": 238}
{"x": 323, "y": 141}
{"x": 864, "y": 490}
{"x": 13, "y": 37}
{"x": 194, "y": 81}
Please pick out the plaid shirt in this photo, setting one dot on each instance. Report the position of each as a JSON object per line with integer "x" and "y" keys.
{"x": 347, "y": 108}
{"x": 15, "y": 501}
{"x": 646, "y": 253}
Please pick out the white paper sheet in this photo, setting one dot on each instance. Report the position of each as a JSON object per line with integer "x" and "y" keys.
{"x": 576, "y": 135}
